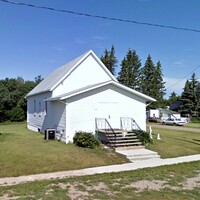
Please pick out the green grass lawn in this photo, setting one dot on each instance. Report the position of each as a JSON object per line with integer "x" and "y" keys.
{"x": 193, "y": 125}
{"x": 25, "y": 152}
{"x": 175, "y": 182}
{"x": 175, "y": 143}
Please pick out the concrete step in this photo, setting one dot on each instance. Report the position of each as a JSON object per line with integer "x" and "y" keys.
{"x": 121, "y": 140}
{"x": 125, "y": 144}
{"x": 121, "y": 137}
{"x": 139, "y": 154}
{"x": 129, "y": 147}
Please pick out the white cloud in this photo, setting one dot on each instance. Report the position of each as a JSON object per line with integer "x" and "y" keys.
{"x": 59, "y": 48}
{"x": 52, "y": 61}
{"x": 180, "y": 63}
{"x": 98, "y": 37}
{"x": 188, "y": 49}
{"x": 81, "y": 41}
{"x": 142, "y": 0}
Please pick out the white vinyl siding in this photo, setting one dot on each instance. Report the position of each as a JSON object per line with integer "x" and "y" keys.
{"x": 83, "y": 109}
{"x": 36, "y": 112}
{"x": 89, "y": 72}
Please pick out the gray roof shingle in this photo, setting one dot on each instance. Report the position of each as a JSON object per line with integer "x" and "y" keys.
{"x": 53, "y": 79}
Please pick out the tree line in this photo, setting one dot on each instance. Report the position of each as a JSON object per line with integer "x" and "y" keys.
{"x": 148, "y": 79}
{"x": 13, "y": 104}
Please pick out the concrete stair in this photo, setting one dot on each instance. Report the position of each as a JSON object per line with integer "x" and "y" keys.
{"x": 138, "y": 154}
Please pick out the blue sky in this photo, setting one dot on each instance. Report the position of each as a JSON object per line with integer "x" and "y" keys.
{"x": 35, "y": 41}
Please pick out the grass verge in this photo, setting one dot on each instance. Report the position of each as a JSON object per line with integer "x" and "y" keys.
{"x": 181, "y": 181}
{"x": 175, "y": 142}
{"x": 24, "y": 152}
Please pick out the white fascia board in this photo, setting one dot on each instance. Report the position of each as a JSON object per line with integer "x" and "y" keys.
{"x": 69, "y": 72}
{"x": 82, "y": 58}
{"x": 103, "y": 66}
{"x": 148, "y": 98}
{"x": 84, "y": 90}
{"x": 71, "y": 94}
{"x": 80, "y": 61}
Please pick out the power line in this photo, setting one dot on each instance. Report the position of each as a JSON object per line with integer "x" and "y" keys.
{"x": 100, "y": 17}
{"x": 183, "y": 77}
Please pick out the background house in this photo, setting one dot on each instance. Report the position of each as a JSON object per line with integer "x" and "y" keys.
{"x": 72, "y": 96}
{"x": 161, "y": 114}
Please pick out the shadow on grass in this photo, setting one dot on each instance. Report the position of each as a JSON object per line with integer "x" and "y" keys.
{"x": 196, "y": 140}
{"x": 196, "y": 143}
{"x": 3, "y": 136}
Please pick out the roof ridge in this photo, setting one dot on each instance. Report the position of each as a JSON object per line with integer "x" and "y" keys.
{"x": 53, "y": 79}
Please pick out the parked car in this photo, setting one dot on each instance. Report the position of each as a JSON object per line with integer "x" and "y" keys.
{"x": 172, "y": 121}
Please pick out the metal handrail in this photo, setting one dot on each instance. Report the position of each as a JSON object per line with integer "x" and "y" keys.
{"x": 131, "y": 122}
{"x": 136, "y": 123}
{"x": 107, "y": 127}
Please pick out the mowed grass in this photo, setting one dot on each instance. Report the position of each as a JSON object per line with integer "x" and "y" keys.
{"x": 24, "y": 152}
{"x": 179, "y": 182}
{"x": 175, "y": 142}
{"x": 193, "y": 125}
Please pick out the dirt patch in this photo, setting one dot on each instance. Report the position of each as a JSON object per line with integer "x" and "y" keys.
{"x": 8, "y": 197}
{"x": 191, "y": 183}
{"x": 80, "y": 191}
{"x": 157, "y": 185}
{"x": 75, "y": 194}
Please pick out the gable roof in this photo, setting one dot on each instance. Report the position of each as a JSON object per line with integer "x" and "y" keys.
{"x": 98, "y": 85}
{"x": 167, "y": 111}
{"x": 175, "y": 105}
{"x": 57, "y": 76}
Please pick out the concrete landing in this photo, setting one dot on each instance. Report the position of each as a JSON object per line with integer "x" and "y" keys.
{"x": 139, "y": 154}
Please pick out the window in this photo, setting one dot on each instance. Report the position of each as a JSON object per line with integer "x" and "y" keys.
{"x": 34, "y": 106}
{"x": 46, "y": 108}
{"x": 40, "y": 108}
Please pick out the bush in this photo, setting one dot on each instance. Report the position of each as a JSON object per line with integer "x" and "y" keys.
{"x": 143, "y": 136}
{"x": 16, "y": 114}
{"x": 86, "y": 140}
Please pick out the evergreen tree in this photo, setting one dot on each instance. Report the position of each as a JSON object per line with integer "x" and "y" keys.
{"x": 109, "y": 59}
{"x": 130, "y": 70}
{"x": 148, "y": 78}
{"x": 194, "y": 84}
{"x": 190, "y": 97}
{"x": 173, "y": 97}
{"x": 198, "y": 98}
{"x": 152, "y": 83}
{"x": 160, "y": 84}
{"x": 186, "y": 98}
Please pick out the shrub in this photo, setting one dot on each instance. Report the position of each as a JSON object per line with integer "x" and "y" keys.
{"x": 86, "y": 140}
{"x": 143, "y": 136}
{"x": 16, "y": 114}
